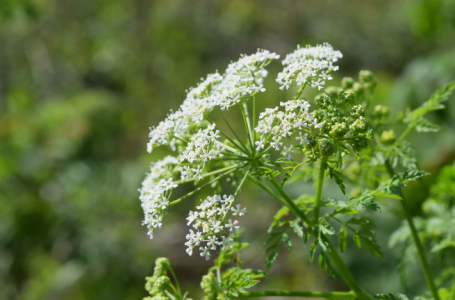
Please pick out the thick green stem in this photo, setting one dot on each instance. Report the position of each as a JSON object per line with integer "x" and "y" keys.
{"x": 317, "y": 200}
{"x": 417, "y": 242}
{"x": 333, "y": 254}
{"x": 327, "y": 295}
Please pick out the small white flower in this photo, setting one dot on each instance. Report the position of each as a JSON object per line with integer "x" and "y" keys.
{"x": 302, "y": 138}
{"x": 232, "y": 225}
{"x": 212, "y": 241}
{"x": 260, "y": 144}
{"x": 205, "y": 252}
{"x": 225, "y": 243}
{"x": 222, "y": 210}
{"x": 288, "y": 151}
{"x": 238, "y": 211}
{"x": 216, "y": 226}
{"x": 191, "y": 217}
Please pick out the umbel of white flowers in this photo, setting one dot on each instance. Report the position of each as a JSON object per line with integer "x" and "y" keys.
{"x": 211, "y": 218}
{"x": 196, "y": 142}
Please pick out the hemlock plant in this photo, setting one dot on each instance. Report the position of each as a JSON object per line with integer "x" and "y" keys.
{"x": 322, "y": 138}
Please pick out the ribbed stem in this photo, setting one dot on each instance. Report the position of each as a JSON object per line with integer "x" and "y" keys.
{"x": 327, "y": 295}
{"x": 317, "y": 201}
{"x": 333, "y": 254}
{"x": 417, "y": 242}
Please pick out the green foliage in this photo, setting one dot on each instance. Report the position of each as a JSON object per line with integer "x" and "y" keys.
{"x": 336, "y": 174}
{"x": 390, "y": 297}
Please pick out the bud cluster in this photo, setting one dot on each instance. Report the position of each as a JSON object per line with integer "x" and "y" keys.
{"x": 159, "y": 283}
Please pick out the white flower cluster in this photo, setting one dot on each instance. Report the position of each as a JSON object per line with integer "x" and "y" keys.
{"x": 275, "y": 126}
{"x": 311, "y": 65}
{"x": 241, "y": 80}
{"x": 155, "y": 192}
{"x": 211, "y": 219}
{"x": 199, "y": 150}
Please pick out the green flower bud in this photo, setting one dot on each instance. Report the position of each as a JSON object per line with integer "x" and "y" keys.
{"x": 149, "y": 283}
{"x": 359, "y": 143}
{"x": 388, "y": 137}
{"x": 319, "y": 115}
{"x": 357, "y": 88}
{"x": 162, "y": 283}
{"x": 327, "y": 148}
{"x": 311, "y": 153}
{"x": 335, "y": 114}
{"x": 209, "y": 286}
{"x": 162, "y": 264}
{"x": 339, "y": 129}
{"x": 347, "y": 83}
{"x": 368, "y": 80}
{"x": 359, "y": 125}
{"x": 322, "y": 101}
{"x": 366, "y": 76}
{"x": 380, "y": 111}
{"x": 333, "y": 91}
{"x": 312, "y": 142}
{"x": 326, "y": 126}
{"x": 357, "y": 111}
{"x": 347, "y": 96}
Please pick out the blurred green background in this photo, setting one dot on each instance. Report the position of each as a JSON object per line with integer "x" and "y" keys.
{"x": 82, "y": 81}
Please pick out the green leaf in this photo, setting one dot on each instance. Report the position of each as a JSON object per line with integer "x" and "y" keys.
{"x": 443, "y": 245}
{"x": 321, "y": 261}
{"x": 285, "y": 160}
{"x": 434, "y": 103}
{"x": 334, "y": 174}
{"x": 270, "y": 259}
{"x": 358, "y": 221}
{"x": 423, "y": 125}
{"x": 286, "y": 178}
{"x": 324, "y": 245}
{"x": 325, "y": 228}
{"x": 284, "y": 211}
{"x": 390, "y": 297}
{"x": 312, "y": 251}
{"x": 298, "y": 229}
{"x": 369, "y": 241}
{"x": 364, "y": 201}
{"x": 409, "y": 176}
{"x": 332, "y": 202}
{"x": 285, "y": 239}
{"x": 235, "y": 281}
{"x": 273, "y": 164}
{"x": 356, "y": 238}
{"x": 342, "y": 238}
